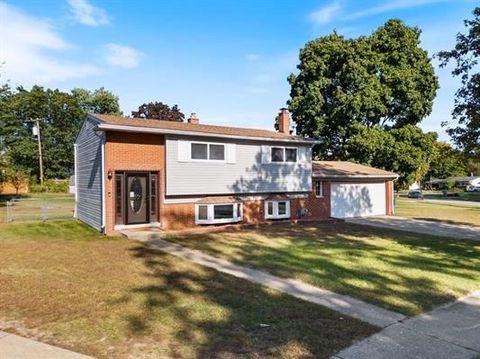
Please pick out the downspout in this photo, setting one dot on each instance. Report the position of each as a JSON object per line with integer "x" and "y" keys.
{"x": 75, "y": 173}
{"x": 104, "y": 216}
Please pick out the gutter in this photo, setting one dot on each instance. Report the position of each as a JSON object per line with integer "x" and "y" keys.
{"x": 356, "y": 177}
{"x": 122, "y": 128}
{"x": 104, "y": 215}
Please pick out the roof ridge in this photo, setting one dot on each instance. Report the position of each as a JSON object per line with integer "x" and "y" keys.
{"x": 186, "y": 123}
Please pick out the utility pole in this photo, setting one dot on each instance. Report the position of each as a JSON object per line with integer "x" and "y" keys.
{"x": 39, "y": 141}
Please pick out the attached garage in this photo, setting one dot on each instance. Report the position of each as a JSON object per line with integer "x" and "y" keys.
{"x": 356, "y": 190}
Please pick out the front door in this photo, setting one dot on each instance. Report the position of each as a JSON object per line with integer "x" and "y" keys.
{"x": 136, "y": 195}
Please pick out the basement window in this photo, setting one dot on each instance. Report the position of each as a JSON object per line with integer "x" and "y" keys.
{"x": 277, "y": 209}
{"x": 218, "y": 213}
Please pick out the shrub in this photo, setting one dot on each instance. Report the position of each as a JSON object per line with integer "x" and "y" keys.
{"x": 50, "y": 186}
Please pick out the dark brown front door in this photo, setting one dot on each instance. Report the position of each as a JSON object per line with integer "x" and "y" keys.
{"x": 136, "y": 195}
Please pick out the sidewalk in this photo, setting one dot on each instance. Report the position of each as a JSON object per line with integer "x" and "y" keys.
{"x": 341, "y": 303}
{"x": 16, "y": 347}
{"x": 448, "y": 332}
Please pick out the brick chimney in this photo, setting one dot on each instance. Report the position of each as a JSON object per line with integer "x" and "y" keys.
{"x": 283, "y": 121}
{"x": 193, "y": 119}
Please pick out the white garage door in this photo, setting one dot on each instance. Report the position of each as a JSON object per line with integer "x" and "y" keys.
{"x": 357, "y": 199}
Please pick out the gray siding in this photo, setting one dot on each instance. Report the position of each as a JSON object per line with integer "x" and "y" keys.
{"x": 89, "y": 174}
{"x": 249, "y": 173}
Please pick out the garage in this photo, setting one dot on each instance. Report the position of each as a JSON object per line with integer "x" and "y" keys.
{"x": 357, "y": 199}
{"x": 355, "y": 190}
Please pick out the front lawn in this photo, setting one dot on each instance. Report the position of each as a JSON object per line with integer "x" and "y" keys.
{"x": 65, "y": 284}
{"x": 449, "y": 213}
{"x": 397, "y": 270}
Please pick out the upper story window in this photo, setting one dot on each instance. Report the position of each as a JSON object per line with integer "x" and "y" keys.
{"x": 283, "y": 154}
{"x": 318, "y": 188}
{"x": 207, "y": 151}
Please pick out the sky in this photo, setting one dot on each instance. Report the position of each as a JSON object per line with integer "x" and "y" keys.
{"x": 227, "y": 61}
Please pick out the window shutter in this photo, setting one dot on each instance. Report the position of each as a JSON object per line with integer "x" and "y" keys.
{"x": 183, "y": 151}
{"x": 265, "y": 153}
{"x": 231, "y": 153}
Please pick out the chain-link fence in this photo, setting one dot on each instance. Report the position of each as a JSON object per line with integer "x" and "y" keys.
{"x": 36, "y": 209}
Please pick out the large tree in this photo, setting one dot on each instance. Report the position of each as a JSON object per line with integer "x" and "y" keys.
{"x": 97, "y": 101}
{"x": 60, "y": 118}
{"x": 447, "y": 162}
{"x": 405, "y": 150}
{"x": 385, "y": 79}
{"x": 159, "y": 111}
{"x": 466, "y": 111}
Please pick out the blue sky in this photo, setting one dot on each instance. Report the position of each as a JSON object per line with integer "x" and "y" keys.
{"x": 225, "y": 60}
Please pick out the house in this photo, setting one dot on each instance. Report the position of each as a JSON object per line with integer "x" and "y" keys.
{"x": 460, "y": 182}
{"x": 136, "y": 172}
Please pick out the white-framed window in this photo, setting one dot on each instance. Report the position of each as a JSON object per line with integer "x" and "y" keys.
{"x": 202, "y": 151}
{"x": 283, "y": 154}
{"x": 318, "y": 188}
{"x": 218, "y": 213}
{"x": 277, "y": 209}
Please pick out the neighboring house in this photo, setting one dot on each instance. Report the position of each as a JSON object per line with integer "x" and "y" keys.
{"x": 460, "y": 182}
{"x": 135, "y": 172}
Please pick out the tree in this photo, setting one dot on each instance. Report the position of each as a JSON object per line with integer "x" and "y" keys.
{"x": 466, "y": 111}
{"x": 385, "y": 79}
{"x": 447, "y": 161}
{"x": 407, "y": 150}
{"x": 159, "y": 111}
{"x": 60, "y": 120}
{"x": 17, "y": 176}
{"x": 99, "y": 101}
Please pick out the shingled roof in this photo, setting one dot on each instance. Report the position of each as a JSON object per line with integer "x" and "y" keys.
{"x": 345, "y": 169}
{"x": 109, "y": 122}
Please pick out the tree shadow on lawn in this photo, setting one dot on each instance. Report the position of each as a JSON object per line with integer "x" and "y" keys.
{"x": 408, "y": 273}
{"x": 219, "y": 316}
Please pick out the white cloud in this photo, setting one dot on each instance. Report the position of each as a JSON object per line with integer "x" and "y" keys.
{"x": 26, "y": 49}
{"x": 122, "y": 56}
{"x": 390, "y": 6}
{"x": 87, "y": 14}
{"x": 253, "y": 57}
{"x": 325, "y": 14}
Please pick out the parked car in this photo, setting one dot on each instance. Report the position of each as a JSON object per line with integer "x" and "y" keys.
{"x": 415, "y": 194}
{"x": 471, "y": 188}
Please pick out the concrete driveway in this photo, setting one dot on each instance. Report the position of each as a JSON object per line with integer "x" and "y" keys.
{"x": 420, "y": 226}
{"x": 448, "y": 332}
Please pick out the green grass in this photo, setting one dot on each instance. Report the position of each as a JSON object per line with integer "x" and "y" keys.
{"x": 397, "y": 270}
{"x": 450, "y": 213}
{"x": 65, "y": 284}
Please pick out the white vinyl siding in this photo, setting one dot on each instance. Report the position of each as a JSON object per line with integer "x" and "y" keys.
{"x": 357, "y": 199}
{"x": 242, "y": 171}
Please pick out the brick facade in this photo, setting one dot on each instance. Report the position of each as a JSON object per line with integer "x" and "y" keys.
{"x": 131, "y": 152}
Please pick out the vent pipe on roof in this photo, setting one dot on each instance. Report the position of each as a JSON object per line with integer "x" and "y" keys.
{"x": 193, "y": 119}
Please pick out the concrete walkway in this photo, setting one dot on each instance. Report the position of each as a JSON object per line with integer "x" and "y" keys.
{"x": 456, "y": 231}
{"x": 448, "y": 332}
{"x": 16, "y": 347}
{"x": 341, "y": 303}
